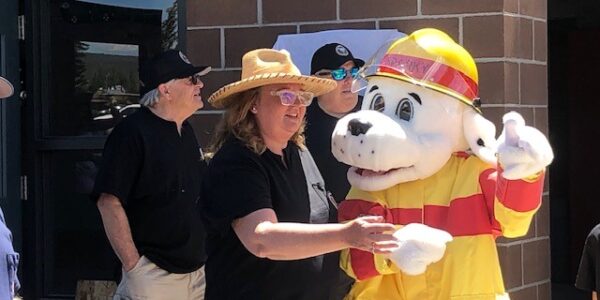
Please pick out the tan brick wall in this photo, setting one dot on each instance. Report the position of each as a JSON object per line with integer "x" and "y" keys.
{"x": 507, "y": 38}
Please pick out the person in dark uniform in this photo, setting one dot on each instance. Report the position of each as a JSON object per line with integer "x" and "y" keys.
{"x": 256, "y": 203}
{"x": 9, "y": 259}
{"x": 588, "y": 275}
{"x": 334, "y": 61}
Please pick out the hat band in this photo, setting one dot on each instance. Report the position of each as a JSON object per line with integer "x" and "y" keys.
{"x": 428, "y": 71}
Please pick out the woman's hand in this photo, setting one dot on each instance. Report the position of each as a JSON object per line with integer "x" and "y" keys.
{"x": 371, "y": 234}
{"x": 262, "y": 235}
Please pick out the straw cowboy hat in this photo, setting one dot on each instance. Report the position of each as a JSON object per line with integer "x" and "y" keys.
{"x": 6, "y": 89}
{"x": 267, "y": 66}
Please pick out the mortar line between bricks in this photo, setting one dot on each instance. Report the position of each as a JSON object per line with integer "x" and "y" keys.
{"x": 513, "y": 105}
{"x": 511, "y": 60}
{"x": 533, "y": 239}
{"x": 401, "y": 18}
{"x": 526, "y": 286}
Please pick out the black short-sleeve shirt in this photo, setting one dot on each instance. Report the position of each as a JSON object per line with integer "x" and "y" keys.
{"x": 155, "y": 172}
{"x": 588, "y": 276}
{"x": 239, "y": 182}
{"x": 319, "y": 128}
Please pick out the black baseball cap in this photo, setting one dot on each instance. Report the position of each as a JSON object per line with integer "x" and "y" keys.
{"x": 332, "y": 56}
{"x": 168, "y": 65}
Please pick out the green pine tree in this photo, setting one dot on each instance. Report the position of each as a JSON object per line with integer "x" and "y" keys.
{"x": 169, "y": 28}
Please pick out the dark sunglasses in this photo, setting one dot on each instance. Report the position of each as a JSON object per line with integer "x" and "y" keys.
{"x": 195, "y": 79}
{"x": 339, "y": 74}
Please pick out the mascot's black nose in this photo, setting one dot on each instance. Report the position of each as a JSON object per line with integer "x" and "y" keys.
{"x": 356, "y": 127}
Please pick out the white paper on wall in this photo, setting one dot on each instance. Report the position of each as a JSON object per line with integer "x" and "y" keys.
{"x": 362, "y": 43}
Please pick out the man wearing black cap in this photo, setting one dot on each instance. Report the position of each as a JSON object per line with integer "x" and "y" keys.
{"x": 334, "y": 61}
{"x": 337, "y": 62}
{"x": 147, "y": 189}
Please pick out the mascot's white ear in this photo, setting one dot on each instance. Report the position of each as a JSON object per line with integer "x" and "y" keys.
{"x": 480, "y": 134}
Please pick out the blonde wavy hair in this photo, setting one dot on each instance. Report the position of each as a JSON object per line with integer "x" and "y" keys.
{"x": 241, "y": 123}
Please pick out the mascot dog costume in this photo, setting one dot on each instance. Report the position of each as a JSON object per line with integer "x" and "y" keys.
{"x": 422, "y": 153}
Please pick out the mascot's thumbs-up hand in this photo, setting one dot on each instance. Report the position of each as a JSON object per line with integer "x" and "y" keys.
{"x": 523, "y": 151}
{"x": 419, "y": 246}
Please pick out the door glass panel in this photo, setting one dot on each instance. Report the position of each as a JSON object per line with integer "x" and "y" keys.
{"x": 111, "y": 78}
{"x": 75, "y": 245}
{"x": 96, "y": 47}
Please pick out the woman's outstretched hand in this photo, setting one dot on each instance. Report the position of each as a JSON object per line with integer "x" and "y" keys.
{"x": 371, "y": 234}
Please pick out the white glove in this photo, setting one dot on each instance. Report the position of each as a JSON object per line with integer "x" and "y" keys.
{"x": 419, "y": 246}
{"x": 523, "y": 151}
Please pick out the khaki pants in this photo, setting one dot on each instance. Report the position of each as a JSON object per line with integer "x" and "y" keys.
{"x": 149, "y": 282}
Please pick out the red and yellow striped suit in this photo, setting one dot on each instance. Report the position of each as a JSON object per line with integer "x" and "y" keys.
{"x": 468, "y": 199}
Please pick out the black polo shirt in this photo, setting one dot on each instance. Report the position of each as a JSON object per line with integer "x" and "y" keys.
{"x": 239, "y": 182}
{"x": 319, "y": 128}
{"x": 588, "y": 275}
{"x": 155, "y": 173}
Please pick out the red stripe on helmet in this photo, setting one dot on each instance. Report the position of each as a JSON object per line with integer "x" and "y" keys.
{"x": 428, "y": 71}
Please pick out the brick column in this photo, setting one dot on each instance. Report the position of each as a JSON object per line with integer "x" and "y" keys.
{"x": 507, "y": 39}
{"x": 510, "y": 50}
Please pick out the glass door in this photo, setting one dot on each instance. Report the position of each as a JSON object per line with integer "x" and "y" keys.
{"x": 84, "y": 66}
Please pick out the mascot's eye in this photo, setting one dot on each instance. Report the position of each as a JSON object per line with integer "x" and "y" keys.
{"x": 378, "y": 103}
{"x": 404, "y": 111}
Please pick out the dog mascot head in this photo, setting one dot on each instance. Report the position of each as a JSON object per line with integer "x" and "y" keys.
{"x": 420, "y": 106}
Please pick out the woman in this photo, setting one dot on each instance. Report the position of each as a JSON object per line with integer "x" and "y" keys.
{"x": 256, "y": 203}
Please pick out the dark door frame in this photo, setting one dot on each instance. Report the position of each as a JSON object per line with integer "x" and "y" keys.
{"x": 574, "y": 211}
{"x": 10, "y": 115}
{"x": 10, "y": 129}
